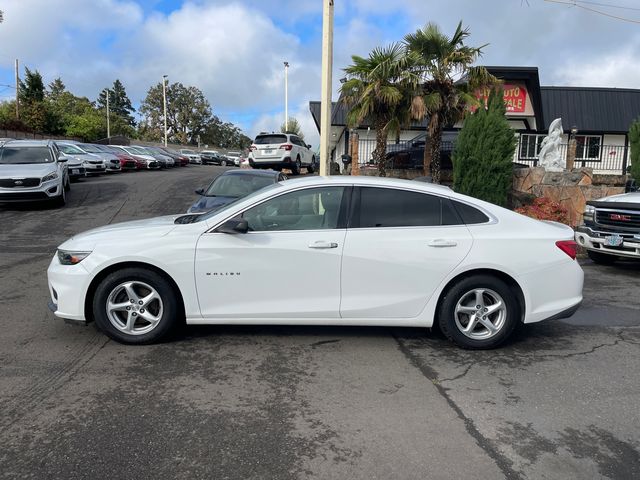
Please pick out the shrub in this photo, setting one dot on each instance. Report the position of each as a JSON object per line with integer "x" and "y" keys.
{"x": 634, "y": 141}
{"x": 483, "y": 154}
{"x": 544, "y": 208}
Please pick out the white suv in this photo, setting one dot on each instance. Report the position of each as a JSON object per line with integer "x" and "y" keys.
{"x": 281, "y": 150}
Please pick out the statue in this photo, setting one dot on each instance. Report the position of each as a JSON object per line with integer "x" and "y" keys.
{"x": 550, "y": 156}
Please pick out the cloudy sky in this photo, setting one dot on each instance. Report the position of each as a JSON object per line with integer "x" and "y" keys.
{"x": 234, "y": 49}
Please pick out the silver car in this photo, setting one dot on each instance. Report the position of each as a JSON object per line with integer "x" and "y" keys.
{"x": 165, "y": 160}
{"x": 150, "y": 162}
{"x": 33, "y": 170}
{"x": 111, "y": 161}
{"x": 93, "y": 165}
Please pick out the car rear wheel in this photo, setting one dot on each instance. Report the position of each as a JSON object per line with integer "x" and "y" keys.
{"x": 223, "y": 163}
{"x": 135, "y": 306}
{"x": 602, "y": 258}
{"x": 478, "y": 312}
{"x": 310, "y": 168}
{"x": 297, "y": 166}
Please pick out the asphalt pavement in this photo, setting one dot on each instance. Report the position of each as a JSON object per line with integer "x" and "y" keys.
{"x": 558, "y": 401}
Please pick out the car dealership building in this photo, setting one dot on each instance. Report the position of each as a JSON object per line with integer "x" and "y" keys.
{"x": 598, "y": 117}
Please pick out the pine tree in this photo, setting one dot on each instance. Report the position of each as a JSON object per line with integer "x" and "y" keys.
{"x": 56, "y": 88}
{"x": 634, "y": 141}
{"x": 32, "y": 89}
{"x": 119, "y": 102}
{"x": 483, "y": 154}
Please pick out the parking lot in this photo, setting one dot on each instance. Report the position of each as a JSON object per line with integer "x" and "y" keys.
{"x": 558, "y": 401}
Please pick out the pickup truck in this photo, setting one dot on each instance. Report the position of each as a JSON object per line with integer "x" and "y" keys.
{"x": 611, "y": 228}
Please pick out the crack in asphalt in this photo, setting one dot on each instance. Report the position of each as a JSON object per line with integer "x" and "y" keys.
{"x": 504, "y": 464}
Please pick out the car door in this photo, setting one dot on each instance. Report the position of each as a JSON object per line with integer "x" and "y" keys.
{"x": 286, "y": 266}
{"x": 399, "y": 247}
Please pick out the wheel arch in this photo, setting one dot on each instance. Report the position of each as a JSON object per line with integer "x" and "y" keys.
{"x": 505, "y": 277}
{"x": 88, "y": 299}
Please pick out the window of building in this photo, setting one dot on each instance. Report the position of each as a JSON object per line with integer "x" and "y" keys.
{"x": 588, "y": 147}
{"x": 530, "y": 146}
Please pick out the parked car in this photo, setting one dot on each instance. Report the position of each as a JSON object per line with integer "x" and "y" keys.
{"x": 232, "y": 185}
{"x": 193, "y": 156}
{"x": 4, "y": 140}
{"x": 387, "y": 252}
{"x": 92, "y": 164}
{"x": 33, "y": 170}
{"x": 111, "y": 161}
{"x": 410, "y": 154}
{"x": 611, "y": 228}
{"x": 281, "y": 150}
{"x": 170, "y": 159}
{"x": 147, "y": 161}
{"x": 234, "y": 158}
{"x": 180, "y": 160}
{"x": 165, "y": 161}
{"x": 212, "y": 157}
{"x": 127, "y": 162}
{"x": 75, "y": 159}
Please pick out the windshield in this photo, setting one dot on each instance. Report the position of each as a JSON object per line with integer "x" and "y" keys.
{"x": 137, "y": 150}
{"x": 269, "y": 139}
{"x": 210, "y": 214}
{"x": 22, "y": 155}
{"x": 70, "y": 149}
{"x": 90, "y": 148}
{"x": 187, "y": 151}
{"x": 237, "y": 185}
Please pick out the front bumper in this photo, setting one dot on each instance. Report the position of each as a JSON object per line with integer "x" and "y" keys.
{"x": 594, "y": 240}
{"x": 68, "y": 285}
{"x": 45, "y": 191}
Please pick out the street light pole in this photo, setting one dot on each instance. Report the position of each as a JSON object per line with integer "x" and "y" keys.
{"x": 286, "y": 97}
{"x": 325, "y": 98}
{"x": 164, "y": 103}
{"x": 108, "y": 125}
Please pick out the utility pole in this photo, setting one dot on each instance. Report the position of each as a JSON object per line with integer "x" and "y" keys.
{"x": 325, "y": 98}
{"x": 108, "y": 125}
{"x": 286, "y": 97}
{"x": 164, "y": 102}
{"x": 17, "y": 92}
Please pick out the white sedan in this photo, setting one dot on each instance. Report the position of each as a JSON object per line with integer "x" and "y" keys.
{"x": 324, "y": 251}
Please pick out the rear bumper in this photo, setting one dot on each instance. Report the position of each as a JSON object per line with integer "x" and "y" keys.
{"x": 593, "y": 240}
{"x": 271, "y": 163}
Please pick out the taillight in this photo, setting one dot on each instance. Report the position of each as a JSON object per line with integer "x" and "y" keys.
{"x": 569, "y": 247}
{"x": 286, "y": 146}
{"x": 253, "y": 147}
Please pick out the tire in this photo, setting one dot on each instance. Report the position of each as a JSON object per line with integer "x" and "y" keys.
{"x": 463, "y": 295}
{"x": 602, "y": 258}
{"x": 61, "y": 200}
{"x": 310, "y": 168}
{"x": 67, "y": 185}
{"x": 295, "y": 169}
{"x": 223, "y": 163}
{"x": 120, "y": 324}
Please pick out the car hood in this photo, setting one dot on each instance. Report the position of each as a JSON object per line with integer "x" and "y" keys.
{"x": 148, "y": 228}
{"x": 210, "y": 203}
{"x": 633, "y": 197}
{"x": 27, "y": 170}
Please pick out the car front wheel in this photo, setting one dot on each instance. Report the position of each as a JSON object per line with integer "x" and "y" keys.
{"x": 479, "y": 312}
{"x": 135, "y": 306}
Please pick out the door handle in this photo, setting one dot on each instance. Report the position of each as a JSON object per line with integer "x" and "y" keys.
{"x": 321, "y": 244}
{"x": 441, "y": 243}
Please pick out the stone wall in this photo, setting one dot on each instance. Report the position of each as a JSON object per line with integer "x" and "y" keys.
{"x": 572, "y": 189}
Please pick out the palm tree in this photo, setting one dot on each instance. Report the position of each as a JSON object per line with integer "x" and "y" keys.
{"x": 375, "y": 89}
{"x": 447, "y": 83}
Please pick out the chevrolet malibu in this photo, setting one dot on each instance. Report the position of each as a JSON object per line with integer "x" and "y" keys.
{"x": 324, "y": 251}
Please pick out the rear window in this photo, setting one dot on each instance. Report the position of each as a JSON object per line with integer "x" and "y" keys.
{"x": 21, "y": 155}
{"x": 386, "y": 207}
{"x": 469, "y": 214}
{"x": 269, "y": 139}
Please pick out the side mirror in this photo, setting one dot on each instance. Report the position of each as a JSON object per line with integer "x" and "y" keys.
{"x": 234, "y": 226}
{"x": 200, "y": 191}
{"x": 309, "y": 146}
{"x": 62, "y": 157}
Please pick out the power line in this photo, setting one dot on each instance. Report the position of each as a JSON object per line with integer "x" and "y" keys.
{"x": 609, "y": 5}
{"x": 573, "y": 3}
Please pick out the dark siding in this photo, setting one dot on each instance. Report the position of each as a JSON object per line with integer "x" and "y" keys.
{"x": 601, "y": 110}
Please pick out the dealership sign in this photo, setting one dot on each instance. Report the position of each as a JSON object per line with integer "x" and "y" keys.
{"x": 515, "y": 97}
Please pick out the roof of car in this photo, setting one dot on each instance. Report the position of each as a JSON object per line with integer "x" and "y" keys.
{"x": 367, "y": 180}
{"x": 253, "y": 173}
{"x": 28, "y": 143}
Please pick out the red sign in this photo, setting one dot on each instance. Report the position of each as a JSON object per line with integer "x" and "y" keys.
{"x": 515, "y": 97}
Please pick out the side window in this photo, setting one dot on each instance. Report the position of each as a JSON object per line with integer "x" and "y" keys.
{"x": 387, "y": 207}
{"x": 469, "y": 214}
{"x": 310, "y": 209}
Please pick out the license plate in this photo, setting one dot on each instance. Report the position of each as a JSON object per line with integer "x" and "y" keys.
{"x": 267, "y": 152}
{"x": 75, "y": 171}
{"x": 613, "y": 240}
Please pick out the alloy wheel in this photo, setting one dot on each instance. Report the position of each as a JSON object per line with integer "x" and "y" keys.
{"x": 480, "y": 314}
{"x": 134, "y": 307}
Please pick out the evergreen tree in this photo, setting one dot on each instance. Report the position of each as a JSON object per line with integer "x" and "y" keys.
{"x": 56, "y": 88}
{"x": 292, "y": 127}
{"x": 119, "y": 102}
{"x": 634, "y": 141}
{"x": 32, "y": 89}
{"x": 483, "y": 154}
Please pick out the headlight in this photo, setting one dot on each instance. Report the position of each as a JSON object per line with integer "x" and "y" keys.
{"x": 67, "y": 257}
{"x": 589, "y": 212}
{"x": 50, "y": 176}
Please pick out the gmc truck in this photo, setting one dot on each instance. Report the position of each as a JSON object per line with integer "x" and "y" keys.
{"x": 611, "y": 228}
